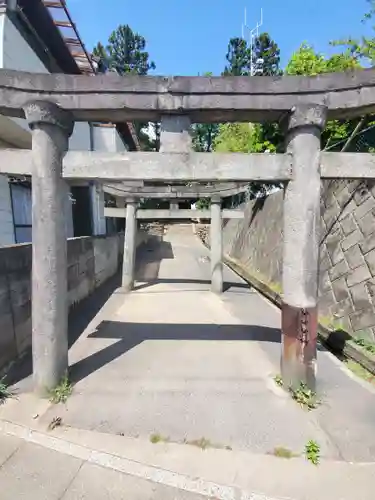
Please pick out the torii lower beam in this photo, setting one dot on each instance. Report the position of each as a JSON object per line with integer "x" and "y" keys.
{"x": 159, "y": 167}
{"x": 173, "y": 192}
{"x": 158, "y": 214}
{"x": 137, "y": 167}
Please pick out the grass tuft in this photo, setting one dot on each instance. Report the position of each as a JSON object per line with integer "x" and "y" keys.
{"x": 278, "y": 380}
{"x": 312, "y": 452}
{"x": 62, "y": 391}
{"x": 5, "y": 392}
{"x": 158, "y": 438}
{"x": 282, "y": 452}
{"x": 305, "y": 397}
{"x": 365, "y": 345}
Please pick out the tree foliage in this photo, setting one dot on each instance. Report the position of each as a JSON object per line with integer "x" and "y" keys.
{"x": 305, "y": 61}
{"x": 361, "y": 48}
{"x": 264, "y": 59}
{"x": 235, "y": 138}
{"x": 266, "y": 56}
{"x": 238, "y": 58}
{"x": 244, "y": 138}
{"x": 204, "y": 134}
{"x": 126, "y": 53}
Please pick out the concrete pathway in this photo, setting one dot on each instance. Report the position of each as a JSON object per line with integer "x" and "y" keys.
{"x": 173, "y": 362}
{"x": 71, "y": 463}
{"x": 170, "y": 359}
{"x": 33, "y": 471}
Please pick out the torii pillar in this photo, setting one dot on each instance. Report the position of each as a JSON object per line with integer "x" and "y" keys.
{"x": 216, "y": 245}
{"x": 51, "y": 128}
{"x": 301, "y": 246}
{"x": 130, "y": 245}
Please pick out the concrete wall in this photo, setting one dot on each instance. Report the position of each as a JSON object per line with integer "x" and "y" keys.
{"x": 104, "y": 138}
{"x": 17, "y": 54}
{"x": 107, "y": 139}
{"x": 7, "y": 236}
{"x": 347, "y": 264}
{"x": 120, "y": 146}
{"x": 80, "y": 139}
{"x": 91, "y": 261}
{"x": 6, "y": 214}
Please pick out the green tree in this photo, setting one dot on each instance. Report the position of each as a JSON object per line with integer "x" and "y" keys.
{"x": 204, "y": 134}
{"x": 243, "y": 138}
{"x": 305, "y": 61}
{"x": 362, "y": 48}
{"x": 266, "y": 60}
{"x": 238, "y": 57}
{"x": 266, "y": 56}
{"x": 126, "y": 53}
{"x": 235, "y": 138}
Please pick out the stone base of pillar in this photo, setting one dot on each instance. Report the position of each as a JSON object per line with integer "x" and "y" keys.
{"x": 127, "y": 285}
{"x": 299, "y": 334}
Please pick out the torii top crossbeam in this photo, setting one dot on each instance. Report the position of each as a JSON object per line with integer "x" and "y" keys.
{"x": 205, "y": 99}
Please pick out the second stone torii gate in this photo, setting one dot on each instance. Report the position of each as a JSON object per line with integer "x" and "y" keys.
{"x": 132, "y": 213}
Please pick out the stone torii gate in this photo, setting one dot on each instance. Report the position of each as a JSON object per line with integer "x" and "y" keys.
{"x": 51, "y": 104}
{"x": 130, "y": 196}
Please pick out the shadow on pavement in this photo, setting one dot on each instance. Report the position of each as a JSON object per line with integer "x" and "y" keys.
{"x": 149, "y": 257}
{"x": 130, "y": 335}
{"x": 79, "y": 318}
{"x": 84, "y": 312}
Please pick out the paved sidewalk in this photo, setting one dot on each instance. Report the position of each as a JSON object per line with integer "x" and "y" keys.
{"x": 30, "y": 471}
{"x": 76, "y": 464}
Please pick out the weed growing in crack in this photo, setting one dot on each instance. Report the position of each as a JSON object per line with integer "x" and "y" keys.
{"x": 312, "y": 452}
{"x": 202, "y": 443}
{"x": 158, "y": 438}
{"x": 62, "y": 391}
{"x": 282, "y": 452}
{"x": 365, "y": 345}
{"x": 305, "y": 397}
{"x": 278, "y": 380}
{"x": 5, "y": 392}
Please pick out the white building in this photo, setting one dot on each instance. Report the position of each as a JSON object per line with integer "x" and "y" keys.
{"x": 39, "y": 36}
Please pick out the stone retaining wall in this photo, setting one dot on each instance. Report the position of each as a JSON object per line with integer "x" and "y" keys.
{"x": 91, "y": 261}
{"x": 347, "y": 265}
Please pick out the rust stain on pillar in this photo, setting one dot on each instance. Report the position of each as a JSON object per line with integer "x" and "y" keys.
{"x": 299, "y": 329}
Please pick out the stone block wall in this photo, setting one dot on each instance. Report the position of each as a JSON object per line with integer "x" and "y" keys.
{"x": 256, "y": 240}
{"x": 347, "y": 263}
{"x": 91, "y": 261}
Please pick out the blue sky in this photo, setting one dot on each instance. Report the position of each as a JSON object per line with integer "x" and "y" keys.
{"x": 187, "y": 37}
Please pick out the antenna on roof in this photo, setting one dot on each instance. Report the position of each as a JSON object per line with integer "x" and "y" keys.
{"x": 253, "y": 33}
